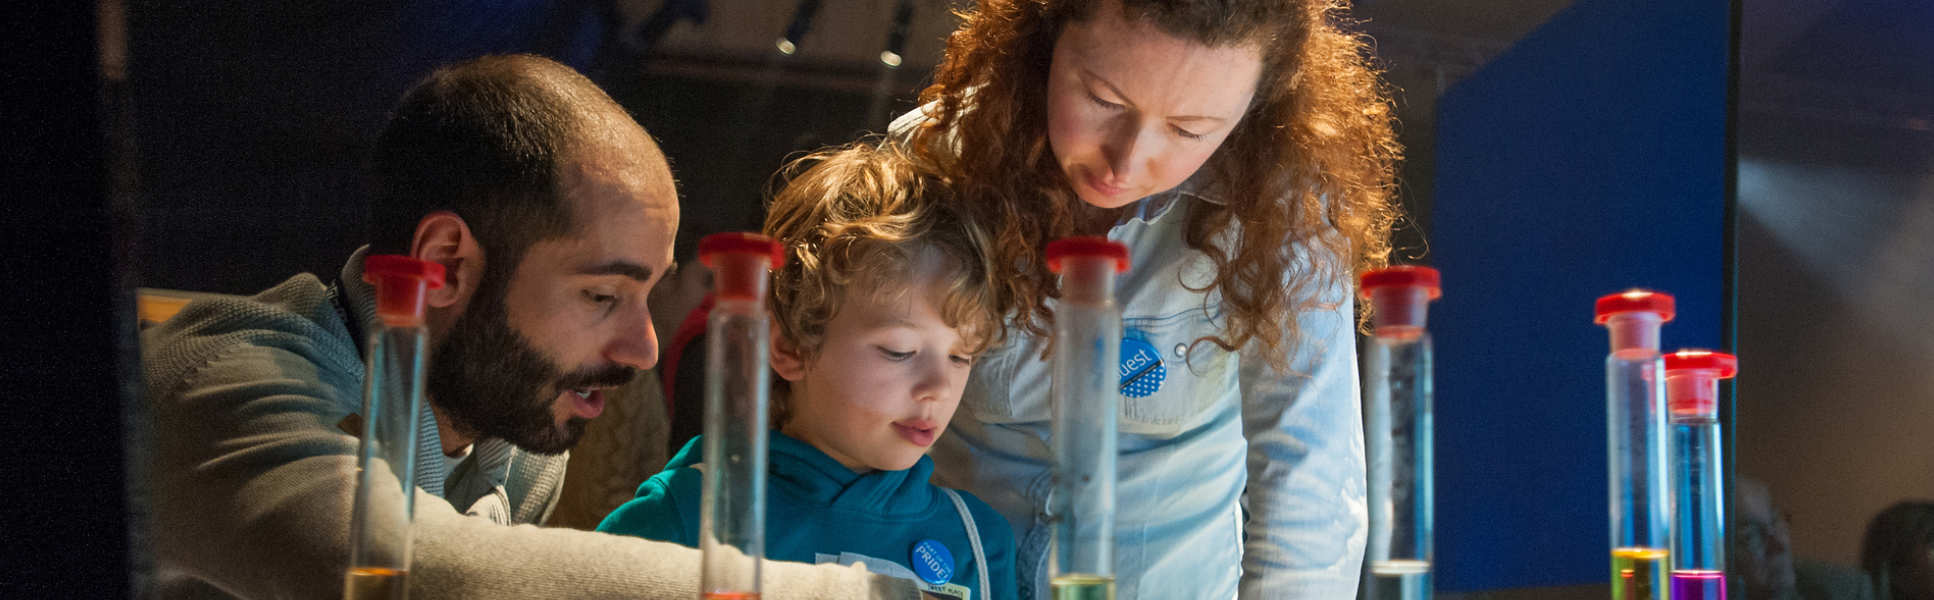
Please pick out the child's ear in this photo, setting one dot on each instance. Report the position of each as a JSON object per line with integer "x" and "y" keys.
{"x": 786, "y": 358}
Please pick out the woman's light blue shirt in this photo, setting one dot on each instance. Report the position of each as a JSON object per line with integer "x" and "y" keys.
{"x": 1233, "y": 479}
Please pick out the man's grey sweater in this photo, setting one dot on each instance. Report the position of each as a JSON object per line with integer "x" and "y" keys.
{"x": 255, "y": 473}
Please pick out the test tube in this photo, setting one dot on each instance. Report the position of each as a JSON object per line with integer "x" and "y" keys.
{"x": 1086, "y": 395}
{"x": 379, "y": 524}
{"x": 1699, "y": 533}
{"x": 1641, "y": 513}
{"x": 1397, "y": 425}
{"x": 732, "y": 513}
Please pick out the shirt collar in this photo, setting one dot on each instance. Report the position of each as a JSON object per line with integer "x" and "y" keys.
{"x": 1155, "y": 208}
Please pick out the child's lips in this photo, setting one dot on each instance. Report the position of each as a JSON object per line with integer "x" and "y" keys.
{"x": 920, "y": 433}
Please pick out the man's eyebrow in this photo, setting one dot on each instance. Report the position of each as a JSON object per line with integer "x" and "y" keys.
{"x": 618, "y": 267}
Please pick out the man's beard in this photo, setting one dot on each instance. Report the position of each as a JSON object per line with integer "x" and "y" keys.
{"x": 490, "y": 382}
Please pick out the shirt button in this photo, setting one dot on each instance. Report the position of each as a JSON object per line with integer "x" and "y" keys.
{"x": 1181, "y": 349}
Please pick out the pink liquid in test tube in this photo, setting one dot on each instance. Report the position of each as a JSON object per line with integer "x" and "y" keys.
{"x": 1695, "y": 584}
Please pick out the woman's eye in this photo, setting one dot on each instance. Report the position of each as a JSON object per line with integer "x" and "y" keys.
{"x": 1188, "y": 134}
{"x": 894, "y": 355}
{"x": 1103, "y": 103}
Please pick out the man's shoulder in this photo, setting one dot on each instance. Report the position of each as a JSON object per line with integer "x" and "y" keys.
{"x": 292, "y": 330}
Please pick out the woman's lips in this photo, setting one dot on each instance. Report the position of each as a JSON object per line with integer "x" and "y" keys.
{"x": 1096, "y": 183}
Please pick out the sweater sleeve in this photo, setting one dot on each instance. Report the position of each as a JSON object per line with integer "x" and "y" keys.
{"x": 254, "y": 484}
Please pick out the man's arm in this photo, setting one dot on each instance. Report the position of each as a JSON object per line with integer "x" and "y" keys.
{"x": 254, "y": 486}
{"x": 1305, "y": 498}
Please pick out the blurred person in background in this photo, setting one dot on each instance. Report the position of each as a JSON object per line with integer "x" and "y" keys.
{"x": 1898, "y": 551}
{"x": 1762, "y": 562}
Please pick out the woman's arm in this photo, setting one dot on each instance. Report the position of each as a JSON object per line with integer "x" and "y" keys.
{"x": 1307, "y": 519}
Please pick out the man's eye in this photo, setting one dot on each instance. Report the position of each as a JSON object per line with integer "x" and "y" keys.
{"x": 600, "y": 299}
{"x": 894, "y": 355}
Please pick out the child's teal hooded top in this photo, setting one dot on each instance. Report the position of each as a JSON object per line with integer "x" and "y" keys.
{"x": 818, "y": 511}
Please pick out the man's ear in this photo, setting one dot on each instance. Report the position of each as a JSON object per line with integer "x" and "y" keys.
{"x": 787, "y": 361}
{"x": 444, "y": 238}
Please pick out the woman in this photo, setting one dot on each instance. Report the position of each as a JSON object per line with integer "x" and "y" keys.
{"x": 1243, "y": 151}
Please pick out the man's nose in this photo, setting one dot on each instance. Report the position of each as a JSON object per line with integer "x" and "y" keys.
{"x": 635, "y": 346}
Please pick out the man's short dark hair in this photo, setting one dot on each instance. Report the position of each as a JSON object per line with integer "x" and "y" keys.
{"x": 483, "y": 139}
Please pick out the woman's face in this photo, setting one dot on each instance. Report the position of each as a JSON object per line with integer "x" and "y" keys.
{"x": 1134, "y": 111}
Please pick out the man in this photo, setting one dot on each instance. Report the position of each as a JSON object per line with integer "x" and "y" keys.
{"x": 552, "y": 213}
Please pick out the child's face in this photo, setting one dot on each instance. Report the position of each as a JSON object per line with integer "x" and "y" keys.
{"x": 884, "y": 383}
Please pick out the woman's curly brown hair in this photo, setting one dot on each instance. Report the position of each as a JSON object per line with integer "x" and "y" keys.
{"x": 1311, "y": 164}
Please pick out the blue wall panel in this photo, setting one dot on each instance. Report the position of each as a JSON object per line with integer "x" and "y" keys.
{"x": 1588, "y": 158}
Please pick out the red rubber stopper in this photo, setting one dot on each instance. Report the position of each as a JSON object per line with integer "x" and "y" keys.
{"x": 1692, "y": 380}
{"x": 740, "y": 263}
{"x": 1633, "y": 300}
{"x": 1400, "y": 298}
{"x": 1402, "y": 276}
{"x": 1086, "y": 247}
{"x": 402, "y": 286}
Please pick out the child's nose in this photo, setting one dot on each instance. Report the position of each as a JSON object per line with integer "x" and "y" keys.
{"x": 932, "y": 379}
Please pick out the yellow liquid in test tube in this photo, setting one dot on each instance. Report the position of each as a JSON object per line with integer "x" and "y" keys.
{"x": 376, "y": 583}
{"x": 1639, "y": 574}
{"x": 1083, "y": 587}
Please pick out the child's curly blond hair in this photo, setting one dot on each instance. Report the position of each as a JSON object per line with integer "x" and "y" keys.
{"x": 866, "y": 219}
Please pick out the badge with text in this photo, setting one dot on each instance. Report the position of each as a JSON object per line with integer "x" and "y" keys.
{"x": 1142, "y": 372}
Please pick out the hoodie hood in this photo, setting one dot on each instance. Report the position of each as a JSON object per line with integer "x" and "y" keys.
{"x": 799, "y": 469}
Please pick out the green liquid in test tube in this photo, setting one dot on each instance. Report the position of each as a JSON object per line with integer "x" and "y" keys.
{"x": 1086, "y": 397}
{"x": 1641, "y": 509}
{"x": 379, "y": 530}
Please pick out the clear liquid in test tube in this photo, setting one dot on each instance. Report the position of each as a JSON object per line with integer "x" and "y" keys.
{"x": 1398, "y": 432}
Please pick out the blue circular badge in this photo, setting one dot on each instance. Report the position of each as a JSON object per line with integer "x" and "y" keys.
{"x": 932, "y": 562}
{"x": 1142, "y": 372}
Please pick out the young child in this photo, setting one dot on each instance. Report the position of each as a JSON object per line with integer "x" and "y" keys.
{"x": 878, "y": 313}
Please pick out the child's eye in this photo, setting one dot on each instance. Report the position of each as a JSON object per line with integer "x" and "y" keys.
{"x": 962, "y": 360}
{"x": 894, "y": 355}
